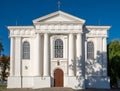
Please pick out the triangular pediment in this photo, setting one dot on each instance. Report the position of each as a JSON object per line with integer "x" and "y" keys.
{"x": 58, "y": 16}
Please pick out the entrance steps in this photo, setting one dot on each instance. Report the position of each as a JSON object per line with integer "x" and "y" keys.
{"x": 56, "y": 89}
{"x": 41, "y": 89}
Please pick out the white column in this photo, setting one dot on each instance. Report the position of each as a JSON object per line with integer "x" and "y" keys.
{"x": 71, "y": 55}
{"x": 104, "y": 57}
{"x": 79, "y": 54}
{"x": 18, "y": 57}
{"x": 85, "y": 49}
{"x": 38, "y": 61}
{"x": 46, "y": 55}
{"x": 12, "y": 58}
{"x": 85, "y": 39}
{"x": 104, "y": 45}
{"x": 96, "y": 49}
{"x": 52, "y": 48}
{"x": 99, "y": 55}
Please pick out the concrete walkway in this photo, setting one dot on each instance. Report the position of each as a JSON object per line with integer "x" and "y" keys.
{"x": 59, "y": 89}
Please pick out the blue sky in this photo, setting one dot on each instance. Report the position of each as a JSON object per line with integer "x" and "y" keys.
{"x": 95, "y": 12}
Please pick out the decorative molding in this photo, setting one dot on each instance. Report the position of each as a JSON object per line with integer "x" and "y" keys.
{"x": 24, "y": 31}
{"x": 20, "y": 27}
{"x": 58, "y": 31}
{"x": 98, "y": 27}
{"x": 58, "y": 22}
{"x": 97, "y": 31}
{"x": 59, "y": 26}
{"x": 58, "y": 13}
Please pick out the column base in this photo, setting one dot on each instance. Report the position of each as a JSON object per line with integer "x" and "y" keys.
{"x": 41, "y": 82}
{"x": 75, "y": 82}
{"x": 14, "y": 82}
{"x": 98, "y": 82}
{"x": 19, "y": 82}
{"x": 28, "y": 82}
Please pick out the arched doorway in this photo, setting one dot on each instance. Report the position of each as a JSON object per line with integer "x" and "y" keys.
{"x": 58, "y": 78}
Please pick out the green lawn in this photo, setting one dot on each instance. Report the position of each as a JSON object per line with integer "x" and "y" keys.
{"x": 3, "y": 86}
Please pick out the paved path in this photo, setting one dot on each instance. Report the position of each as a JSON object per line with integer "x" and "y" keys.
{"x": 59, "y": 89}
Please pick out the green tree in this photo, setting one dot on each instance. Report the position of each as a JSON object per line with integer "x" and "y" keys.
{"x": 4, "y": 65}
{"x": 114, "y": 62}
{"x": 1, "y": 47}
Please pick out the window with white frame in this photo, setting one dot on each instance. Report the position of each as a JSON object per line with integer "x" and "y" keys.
{"x": 26, "y": 50}
{"x": 90, "y": 50}
{"x": 58, "y": 48}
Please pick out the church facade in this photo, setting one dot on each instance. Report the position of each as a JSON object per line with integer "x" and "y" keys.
{"x": 59, "y": 50}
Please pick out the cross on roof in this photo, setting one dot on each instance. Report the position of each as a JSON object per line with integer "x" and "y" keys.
{"x": 59, "y": 3}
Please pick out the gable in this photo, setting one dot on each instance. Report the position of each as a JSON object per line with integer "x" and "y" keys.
{"x": 58, "y": 16}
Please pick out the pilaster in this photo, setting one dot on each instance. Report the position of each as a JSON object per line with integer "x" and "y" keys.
{"x": 18, "y": 57}
{"x": 79, "y": 54}
{"x": 12, "y": 57}
{"x": 104, "y": 57}
{"x": 46, "y": 55}
{"x": 38, "y": 64}
{"x": 71, "y": 65}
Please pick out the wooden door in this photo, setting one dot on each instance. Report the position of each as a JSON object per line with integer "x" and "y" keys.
{"x": 58, "y": 78}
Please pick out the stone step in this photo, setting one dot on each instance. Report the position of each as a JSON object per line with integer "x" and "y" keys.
{"x": 57, "y": 89}
{"x": 41, "y": 89}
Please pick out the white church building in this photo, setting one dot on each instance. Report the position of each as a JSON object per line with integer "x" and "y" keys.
{"x": 59, "y": 50}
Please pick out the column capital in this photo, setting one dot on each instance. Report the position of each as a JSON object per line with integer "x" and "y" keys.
{"x": 71, "y": 34}
{"x": 80, "y": 33}
{"x": 45, "y": 33}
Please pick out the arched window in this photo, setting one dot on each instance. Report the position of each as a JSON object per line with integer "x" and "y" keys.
{"x": 58, "y": 48}
{"x": 90, "y": 50}
{"x": 26, "y": 50}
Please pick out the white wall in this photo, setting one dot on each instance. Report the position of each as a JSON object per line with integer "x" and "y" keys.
{"x": 63, "y": 61}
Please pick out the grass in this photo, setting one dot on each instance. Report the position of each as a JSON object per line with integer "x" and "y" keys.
{"x": 3, "y": 86}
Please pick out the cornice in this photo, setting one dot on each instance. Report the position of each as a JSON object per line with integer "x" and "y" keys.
{"x": 96, "y": 36}
{"x": 99, "y": 27}
{"x": 59, "y": 26}
{"x": 59, "y": 31}
{"x": 22, "y": 36}
{"x": 21, "y": 31}
{"x": 59, "y": 22}
{"x": 19, "y": 27}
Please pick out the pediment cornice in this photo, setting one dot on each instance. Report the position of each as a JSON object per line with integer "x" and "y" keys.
{"x": 58, "y": 16}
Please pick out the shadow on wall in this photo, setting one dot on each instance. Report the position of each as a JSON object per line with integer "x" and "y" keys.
{"x": 96, "y": 67}
{"x": 77, "y": 67}
{"x": 96, "y": 72}
{"x": 92, "y": 72}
